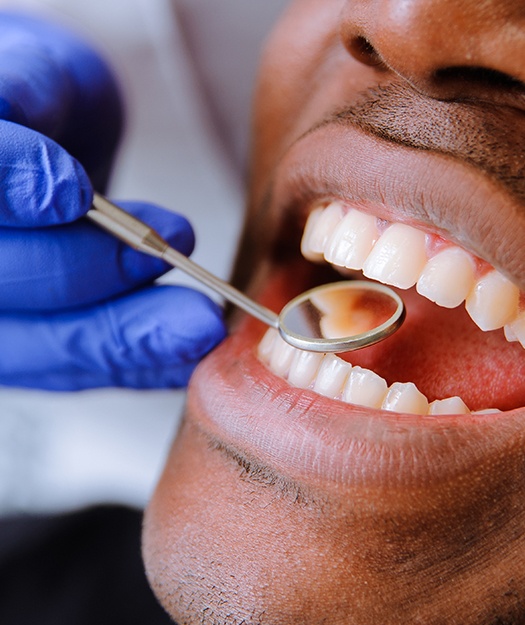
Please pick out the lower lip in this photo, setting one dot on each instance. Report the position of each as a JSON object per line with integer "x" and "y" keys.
{"x": 311, "y": 439}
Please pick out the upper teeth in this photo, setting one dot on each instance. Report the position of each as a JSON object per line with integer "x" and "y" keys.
{"x": 401, "y": 256}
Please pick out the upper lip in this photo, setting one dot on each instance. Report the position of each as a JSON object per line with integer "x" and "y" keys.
{"x": 436, "y": 191}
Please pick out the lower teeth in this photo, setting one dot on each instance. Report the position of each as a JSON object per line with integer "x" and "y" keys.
{"x": 332, "y": 377}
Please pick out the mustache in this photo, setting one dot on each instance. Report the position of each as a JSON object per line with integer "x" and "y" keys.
{"x": 489, "y": 137}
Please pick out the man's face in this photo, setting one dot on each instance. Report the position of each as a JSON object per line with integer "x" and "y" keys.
{"x": 311, "y": 490}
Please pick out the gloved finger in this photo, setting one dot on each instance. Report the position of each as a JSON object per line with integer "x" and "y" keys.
{"x": 153, "y": 338}
{"x": 78, "y": 264}
{"x": 52, "y": 82}
{"x": 42, "y": 184}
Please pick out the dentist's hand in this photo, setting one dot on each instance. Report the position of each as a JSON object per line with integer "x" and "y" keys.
{"x": 77, "y": 308}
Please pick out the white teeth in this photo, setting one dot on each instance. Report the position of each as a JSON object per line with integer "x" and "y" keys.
{"x": 404, "y": 397}
{"x": 265, "y": 348}
{"x": 515, "y": 330}
{"x": 399, "y": 257}
{"x": 447, "y": 278}
{"x": 364, "y": 388}
{"x": 331, "y": 376}
{"x": 319, "y": 227}
{"x": 451, "y": 405}
{"x": 352, "y": 240}
{"x": 303, "y": 368}
{"x": 493, "y": 302}
{"x": 281, "y": 357}
{"x": 389, "y": 262}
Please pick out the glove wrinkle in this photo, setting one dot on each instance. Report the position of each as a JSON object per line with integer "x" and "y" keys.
{"x": 42, "y": 184}
{"x": 152, "y": 338}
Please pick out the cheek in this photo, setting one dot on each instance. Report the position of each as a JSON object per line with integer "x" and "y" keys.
{"x": 290, "y": 65}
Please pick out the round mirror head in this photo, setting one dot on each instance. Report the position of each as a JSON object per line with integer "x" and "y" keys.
{"x": 341, "y": 317}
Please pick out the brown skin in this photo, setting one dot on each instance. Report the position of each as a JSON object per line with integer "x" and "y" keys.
{"x": 237, "y": 531}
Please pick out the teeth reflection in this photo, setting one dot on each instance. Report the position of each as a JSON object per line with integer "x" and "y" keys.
{"x": 332, "y": 377}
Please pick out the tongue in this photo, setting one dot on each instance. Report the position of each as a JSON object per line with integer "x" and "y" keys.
{"x": 445, "y": 354}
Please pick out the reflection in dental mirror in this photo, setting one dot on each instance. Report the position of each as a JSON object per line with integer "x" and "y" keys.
{"x": 342, "y": 316}
{"x": 337, "y": 317}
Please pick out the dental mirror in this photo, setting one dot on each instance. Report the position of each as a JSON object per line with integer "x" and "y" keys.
{"x": 336, "y": 317}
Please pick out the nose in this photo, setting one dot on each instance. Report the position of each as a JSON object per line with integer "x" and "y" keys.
{"x": 446, "y": 49}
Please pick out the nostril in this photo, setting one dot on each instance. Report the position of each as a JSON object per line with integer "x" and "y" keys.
{"x": 482, "y": 78}
{"x": 364, "y": 52}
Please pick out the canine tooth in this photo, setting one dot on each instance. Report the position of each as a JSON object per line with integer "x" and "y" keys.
{"x": 450, "y": 405}
{"x": 447, "y": 278}
{"x": 398, "y": 257}
{"x": 515, "y": 330}
{"x": 265, "y": 347}
{"x": 364, "y": 388}
{"x": 493, "y": 301}
{"x": 281, "y": 357}
{"x": 319, "y": 227}
{"x": 303, "y": 368}
{"x": 308, "y": 235}
{"x": 405, "y": 397}
{"x": 487, "y": 411}
{"x": 352, "y": 240}
{"x": 331, "y": 376}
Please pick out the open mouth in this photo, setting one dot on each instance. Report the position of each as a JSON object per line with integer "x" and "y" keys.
{"x": 461, "y": 348}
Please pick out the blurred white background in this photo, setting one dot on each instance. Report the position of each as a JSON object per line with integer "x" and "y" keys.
{"x": 186, "y": 68}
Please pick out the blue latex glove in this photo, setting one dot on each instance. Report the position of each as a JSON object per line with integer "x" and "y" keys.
{"x": 77, "y": 308}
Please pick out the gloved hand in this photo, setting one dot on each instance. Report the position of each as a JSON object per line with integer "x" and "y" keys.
{"x": 77, "y": 308}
